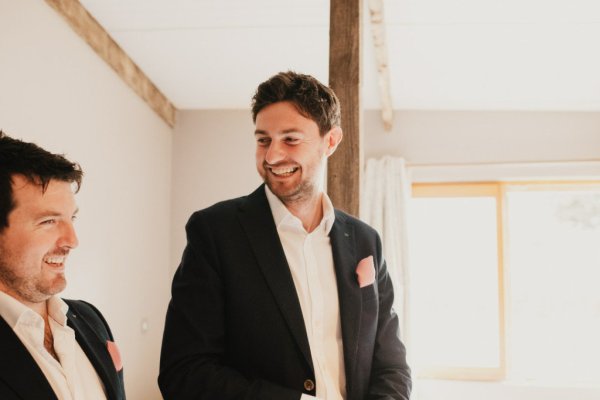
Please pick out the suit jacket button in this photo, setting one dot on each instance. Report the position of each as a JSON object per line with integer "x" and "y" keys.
{"x": 309, "y": 385}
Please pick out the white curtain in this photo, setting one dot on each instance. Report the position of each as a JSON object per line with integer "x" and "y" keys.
{"x": 384, "y": 199}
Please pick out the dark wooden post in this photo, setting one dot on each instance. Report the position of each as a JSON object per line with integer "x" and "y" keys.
{"x": 343, "y": 176}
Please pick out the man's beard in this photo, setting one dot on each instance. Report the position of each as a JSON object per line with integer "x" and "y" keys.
{"x": 297, "y": 194}
{"x": 30, "y": 288}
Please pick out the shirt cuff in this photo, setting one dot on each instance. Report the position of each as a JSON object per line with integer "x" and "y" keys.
{"x": 307, "y": 397}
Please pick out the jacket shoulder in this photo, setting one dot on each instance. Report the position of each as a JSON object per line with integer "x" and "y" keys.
{"x": 227, "y": 209}
{"x": 359, "y": 225}
{"x": 222, "y": 207}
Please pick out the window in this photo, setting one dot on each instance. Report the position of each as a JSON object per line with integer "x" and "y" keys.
{"x": 504, "y": 281}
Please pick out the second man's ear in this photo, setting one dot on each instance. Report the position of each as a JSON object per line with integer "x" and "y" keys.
{"x": 334, "y": 138}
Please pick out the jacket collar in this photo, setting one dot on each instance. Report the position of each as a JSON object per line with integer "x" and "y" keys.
{"x": 257, "y": 221}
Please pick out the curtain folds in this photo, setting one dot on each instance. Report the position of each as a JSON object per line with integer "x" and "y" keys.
{"x": 383, "y": 205}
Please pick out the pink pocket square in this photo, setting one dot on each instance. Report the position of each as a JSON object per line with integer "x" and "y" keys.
{"x": 113, "y": 350}
{"x": 365, "y": 272}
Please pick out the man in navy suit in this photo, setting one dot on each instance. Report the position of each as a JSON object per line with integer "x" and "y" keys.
{"x": 51, "y": 348}
{"x": 278, "y": 295}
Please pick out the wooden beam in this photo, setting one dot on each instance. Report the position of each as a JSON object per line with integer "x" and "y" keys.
{"x": 94, "y": 34}
{"x": 381, "y": 59}
{"x": 344, "y": 167}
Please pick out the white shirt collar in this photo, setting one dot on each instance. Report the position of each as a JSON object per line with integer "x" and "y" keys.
{"x": 57, "y": 310}
{"x": 281, "y": 215}
{"x": 13, "y": 311}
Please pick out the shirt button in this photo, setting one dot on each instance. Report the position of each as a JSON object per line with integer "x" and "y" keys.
{"x": 309, "y": 385}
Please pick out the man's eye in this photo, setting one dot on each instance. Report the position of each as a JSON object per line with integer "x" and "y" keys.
{"x": 262, "y": 141}
{"x": 51, "y": 221}
{"x": 292, "y": 140}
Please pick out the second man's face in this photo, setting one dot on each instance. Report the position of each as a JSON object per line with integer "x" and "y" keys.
{"x": 290, "y": 152}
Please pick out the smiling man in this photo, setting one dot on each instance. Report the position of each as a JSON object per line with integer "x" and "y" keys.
{"x": 51, "y": 348}
{"x": 279, "y": 296}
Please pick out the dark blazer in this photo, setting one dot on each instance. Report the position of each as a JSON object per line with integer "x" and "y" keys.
{"x": 22, "y": 379}
{"x": 234, "y": 327}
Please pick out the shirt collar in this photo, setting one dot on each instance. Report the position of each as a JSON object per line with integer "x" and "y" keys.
{"x": 13, "y": 311}
{"x": 57, "y": 310}
{"x": 281, "y": 215}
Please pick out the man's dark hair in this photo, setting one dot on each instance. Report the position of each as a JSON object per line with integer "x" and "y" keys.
{"x": 312, "y": 99}
{"x": 36, "y": 165}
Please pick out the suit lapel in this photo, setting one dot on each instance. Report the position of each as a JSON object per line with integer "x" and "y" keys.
{"x": 96, "y": 351}
{"x": 344, "y": 259}
{"x": 21, "y": 372}
{"x": 257, "y": 220}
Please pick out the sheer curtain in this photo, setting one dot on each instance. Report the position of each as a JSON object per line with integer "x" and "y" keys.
{"x": 384, "y": 199}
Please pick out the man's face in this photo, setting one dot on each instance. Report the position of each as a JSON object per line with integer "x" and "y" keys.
{"x": 290, "y": 152}
{"x": 39, "y": 236}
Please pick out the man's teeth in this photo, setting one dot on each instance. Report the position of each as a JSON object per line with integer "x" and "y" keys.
{"x": 283, "y": 171}
{"x": 55, "y": 260}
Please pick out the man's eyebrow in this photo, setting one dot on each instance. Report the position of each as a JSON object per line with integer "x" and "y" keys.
{"x": 285, "y": 131}
{"x": 46, "y": 213}
{"x": 292, "y": 130}
{"x": 52, "y": 213}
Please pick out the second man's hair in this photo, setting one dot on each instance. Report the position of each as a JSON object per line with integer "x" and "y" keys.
{"x": 312, "y": 99}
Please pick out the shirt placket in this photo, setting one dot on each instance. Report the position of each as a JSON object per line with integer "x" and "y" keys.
{"x": 64, "y": 345}
{"x": 34, "y": 331}
{"x": 316, "y": 306}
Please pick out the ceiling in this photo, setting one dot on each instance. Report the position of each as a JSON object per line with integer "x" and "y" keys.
{"x": 443, "y": 55}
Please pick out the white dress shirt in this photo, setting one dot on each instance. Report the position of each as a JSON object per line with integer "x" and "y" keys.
{"x": 310, "y": 260}
{"x": 74, "y": 377}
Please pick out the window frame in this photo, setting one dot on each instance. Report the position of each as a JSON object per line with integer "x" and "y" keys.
{"x": 473, "y": 189}
{"x": 498, "y": 190}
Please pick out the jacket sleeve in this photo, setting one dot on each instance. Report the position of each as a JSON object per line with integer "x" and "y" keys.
{"x": 390, "y": 374}
{"x": 192, "y": 362}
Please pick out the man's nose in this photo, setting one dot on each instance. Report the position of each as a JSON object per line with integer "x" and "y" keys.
{"x": 68, "y": 237}
{"x": 275, "y": 153}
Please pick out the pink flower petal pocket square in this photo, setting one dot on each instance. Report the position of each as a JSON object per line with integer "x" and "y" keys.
{"x": 365, "y": 272}
{"x": 113, "y": 350}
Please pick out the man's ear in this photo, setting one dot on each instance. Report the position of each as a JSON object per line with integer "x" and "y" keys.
{"x": 334, "y": 137}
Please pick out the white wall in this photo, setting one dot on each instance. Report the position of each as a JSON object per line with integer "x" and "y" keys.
{"x": 56, "y": 92}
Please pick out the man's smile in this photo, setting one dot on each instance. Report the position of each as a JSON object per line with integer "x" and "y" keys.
{"x": 55, "y": 261}
{"x": 282, "y": 171}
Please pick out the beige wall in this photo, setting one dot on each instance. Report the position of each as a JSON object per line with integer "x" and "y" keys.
{"x": 213, "y": 160}
{"x": 449, "y": 137}
{"x": 56, "y": 92}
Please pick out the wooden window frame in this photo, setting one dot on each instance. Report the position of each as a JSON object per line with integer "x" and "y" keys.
{"x": 497, "y": 190}
{"x": 479, "y": 189}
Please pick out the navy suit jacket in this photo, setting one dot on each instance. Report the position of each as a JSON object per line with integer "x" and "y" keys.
{"x": 234, "y": 326}
{"x": 22, "y": 379}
